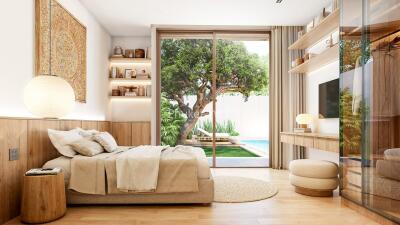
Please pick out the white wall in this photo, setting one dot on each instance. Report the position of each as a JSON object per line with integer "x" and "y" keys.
{"x": 313, "y": 79}
{"x": 131, "y": 109}
{"x": 131, "y": 42}
{"x": 17, "y": 59}
{"x": 329, "y": 126}
{"x": 251, "y": 118}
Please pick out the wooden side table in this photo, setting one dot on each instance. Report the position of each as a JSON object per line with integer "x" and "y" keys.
{"x": 43, "y": 198}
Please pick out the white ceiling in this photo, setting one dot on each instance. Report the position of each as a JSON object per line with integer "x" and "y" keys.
{"x": 134, "y": 17}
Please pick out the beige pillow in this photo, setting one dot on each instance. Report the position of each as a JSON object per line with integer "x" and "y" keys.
{"x": 87, "y": 147}
{"x": 106, "y": 140}
{"x": 62, "y": 139}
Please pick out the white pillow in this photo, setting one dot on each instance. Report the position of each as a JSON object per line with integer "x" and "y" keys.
{"x": 392, "y": 154}
{"x": 87, "y": 133}
{"x": 106, "y": 140}
{"x": 62, "y": 139}
{"x": 87, "y": 147}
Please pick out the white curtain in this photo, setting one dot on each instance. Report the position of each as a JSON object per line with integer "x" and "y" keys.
{"x": 287, "y": 96}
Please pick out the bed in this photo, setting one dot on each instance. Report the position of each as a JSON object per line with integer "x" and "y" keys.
{"x": 132, "y": 175}
{"x": 205, "y": 193}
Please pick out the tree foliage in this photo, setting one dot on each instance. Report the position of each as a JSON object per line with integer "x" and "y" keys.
{"x": 171, "y": 122}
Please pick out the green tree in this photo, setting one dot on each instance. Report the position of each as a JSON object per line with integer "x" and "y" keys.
{"x": 186, "y": 66}
{"x": 171, "y": 122}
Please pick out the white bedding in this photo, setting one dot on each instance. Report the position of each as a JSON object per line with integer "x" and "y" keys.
{"x": 392, "y": 154}
{"x": 203, "y": 169}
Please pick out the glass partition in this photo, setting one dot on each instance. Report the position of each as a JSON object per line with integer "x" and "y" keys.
{"x": 370, "y": 104}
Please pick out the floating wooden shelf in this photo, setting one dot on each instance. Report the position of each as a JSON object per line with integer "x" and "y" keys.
{"x": 129, "y": 79}
{"x": 328, "y": 56}
{"x": 325, "y": 27}
{"x": 130, "y": 97}
{"x": 129, "y": 60}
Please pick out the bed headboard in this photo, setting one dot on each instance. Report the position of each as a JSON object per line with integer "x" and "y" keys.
{"x": 40, "y": 149}
{"x": 30, "y": 137}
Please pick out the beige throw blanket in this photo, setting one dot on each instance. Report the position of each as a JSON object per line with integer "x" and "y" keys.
{"x": 177, "y": 171}
{"x": 88, "y": 173}
{"x": 137, "y": 169}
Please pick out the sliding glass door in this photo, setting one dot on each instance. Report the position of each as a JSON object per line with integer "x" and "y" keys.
{"x": 214, "y": 95}
{"x": 242, "y": 100}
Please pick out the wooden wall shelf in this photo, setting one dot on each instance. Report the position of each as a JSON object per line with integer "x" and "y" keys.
{"x": 130, "y": 97}
{"x": 129, "y": 79}
{"x": 325, "y": 27}
{"x": 328, "y": 56}
{"x": 325, "y": 142}
{"x": 130, "y": 60}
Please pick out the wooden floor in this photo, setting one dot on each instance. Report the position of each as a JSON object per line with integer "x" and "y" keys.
{"x": 285, "y": 208}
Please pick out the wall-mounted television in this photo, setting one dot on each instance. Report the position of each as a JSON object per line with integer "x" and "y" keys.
{"x": 329, "y": 99}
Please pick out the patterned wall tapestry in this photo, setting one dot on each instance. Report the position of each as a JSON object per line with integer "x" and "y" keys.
{"x": 68, "y": 45}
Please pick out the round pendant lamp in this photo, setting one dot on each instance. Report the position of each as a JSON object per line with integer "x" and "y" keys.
{"x": 49, "y": 97}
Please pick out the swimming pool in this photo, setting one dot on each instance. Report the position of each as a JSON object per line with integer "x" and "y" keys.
{"x": 262, "y": 145}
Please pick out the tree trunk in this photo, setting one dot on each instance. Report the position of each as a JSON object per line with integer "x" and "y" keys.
{"x": 187, "y": 128}
{"x": 193, "y": 114}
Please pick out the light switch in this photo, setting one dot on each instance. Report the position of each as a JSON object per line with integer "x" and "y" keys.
{"x": 13, "y": 154}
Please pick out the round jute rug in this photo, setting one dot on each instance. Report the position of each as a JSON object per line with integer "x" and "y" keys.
{"x": 241, "y": 189}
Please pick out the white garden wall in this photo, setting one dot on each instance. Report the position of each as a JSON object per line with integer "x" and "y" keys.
{"x": 251, "y": 118}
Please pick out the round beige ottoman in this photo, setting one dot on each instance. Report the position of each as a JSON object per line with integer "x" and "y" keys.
{"x": 314, "y": 177}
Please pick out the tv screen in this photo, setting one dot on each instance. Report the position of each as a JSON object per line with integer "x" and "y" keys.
{"x": 329, "y": 99}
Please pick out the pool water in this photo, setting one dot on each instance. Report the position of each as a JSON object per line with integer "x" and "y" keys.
{"x": 262, "y": 145}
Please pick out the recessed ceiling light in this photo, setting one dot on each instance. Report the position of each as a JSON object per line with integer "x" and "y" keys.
{"x": 278, "y": 1}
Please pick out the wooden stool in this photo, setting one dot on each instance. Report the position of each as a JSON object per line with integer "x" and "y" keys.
{"x": 43, "y": 198}
{"x": 313, "y": 192}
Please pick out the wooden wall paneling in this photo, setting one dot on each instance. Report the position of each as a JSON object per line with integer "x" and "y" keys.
{"x": 35, "y": 148}
{"x": 396, "y": 131}
{"x": 104, "y": 126}
{"x": 122, "y": 132}
{"x": 40, "y": 149}
{"x": 141, "y": 133}
{"x": 89, "y": 125}
{"x": 3, "y": 167}
{"x": 70, "y": 124}
{"x": 13, "y": 134}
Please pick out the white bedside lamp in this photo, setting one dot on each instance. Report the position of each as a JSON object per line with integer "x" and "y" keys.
{"x": 304, "y": 120}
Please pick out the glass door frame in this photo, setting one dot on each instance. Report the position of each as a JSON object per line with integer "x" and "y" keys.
{"x": 198, "y": 30}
